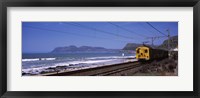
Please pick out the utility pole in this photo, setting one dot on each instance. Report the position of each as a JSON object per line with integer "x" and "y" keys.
{"x": 154, "y": 38}
{"x": 145, "y": 42}
{"x": 168, "y": 40}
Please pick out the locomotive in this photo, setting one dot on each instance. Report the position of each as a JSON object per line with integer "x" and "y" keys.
{"x": 147, "y": 53}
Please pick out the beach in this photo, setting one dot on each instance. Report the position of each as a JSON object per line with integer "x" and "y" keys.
{"x": 95, "y": 64}
{"x": 36, "y": 64}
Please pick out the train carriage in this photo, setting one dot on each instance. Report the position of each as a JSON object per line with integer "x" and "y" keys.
{"x": 148, "y": 53}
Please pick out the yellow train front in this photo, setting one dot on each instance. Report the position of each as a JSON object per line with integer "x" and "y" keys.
{"x": 147, "y": 53}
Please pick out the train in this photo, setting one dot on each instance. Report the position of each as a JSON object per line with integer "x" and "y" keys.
{"x": 147, "y": 53}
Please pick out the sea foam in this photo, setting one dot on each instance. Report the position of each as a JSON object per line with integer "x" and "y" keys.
{"x": 37, "y": 59}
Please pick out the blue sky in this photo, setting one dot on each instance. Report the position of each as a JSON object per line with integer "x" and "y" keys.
{"x": 38, "y": 37}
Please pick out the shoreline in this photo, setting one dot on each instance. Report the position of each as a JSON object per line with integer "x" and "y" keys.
{"x": 65, "y": 73}
{"x": 74, "y": 67}
{"x": 163, "y": 67}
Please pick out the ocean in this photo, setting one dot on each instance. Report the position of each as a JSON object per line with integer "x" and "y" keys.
{"x": 37, "y": 63}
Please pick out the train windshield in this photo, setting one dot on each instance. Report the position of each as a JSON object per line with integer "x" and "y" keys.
{"x": 138, "y": 50}
{"x": 146, "y": 51}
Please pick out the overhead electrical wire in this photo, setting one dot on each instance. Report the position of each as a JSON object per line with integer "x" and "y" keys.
{"x": 130, "y": 31}
{"x": 155, "y": 28}
{"x": 147, "y": 29}
{"x": 64, "y": 32}
{"x": 102, "y": 31}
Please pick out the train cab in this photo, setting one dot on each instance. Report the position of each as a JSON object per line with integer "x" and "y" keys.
{"x": 143, "y": 53}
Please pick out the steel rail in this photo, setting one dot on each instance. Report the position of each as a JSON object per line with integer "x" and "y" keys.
{"x": 95, "y": 71}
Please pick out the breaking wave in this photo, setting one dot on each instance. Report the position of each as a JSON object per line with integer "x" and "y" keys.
{"x": 37, "y": 59}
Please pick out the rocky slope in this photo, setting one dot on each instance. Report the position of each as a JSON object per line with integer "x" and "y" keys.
{"x": 164, "y": 45}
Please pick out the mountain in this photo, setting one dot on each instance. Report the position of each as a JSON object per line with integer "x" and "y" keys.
{"x": 128, "y": 47}
{"x": 173, "y": 43}
{"x": 82, "y": 49}
{"x": 164, "y": 45}
{"x": 131, "y": 46}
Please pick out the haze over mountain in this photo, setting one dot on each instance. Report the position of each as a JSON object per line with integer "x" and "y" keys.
{"x": 82, "y": 49}
{"x": 128, "y": 47}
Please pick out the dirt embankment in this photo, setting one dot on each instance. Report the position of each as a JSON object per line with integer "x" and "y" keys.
{"x": 164, "y": 67}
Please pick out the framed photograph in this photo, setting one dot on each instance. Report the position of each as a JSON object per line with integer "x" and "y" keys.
{"x": 131, "y": 48}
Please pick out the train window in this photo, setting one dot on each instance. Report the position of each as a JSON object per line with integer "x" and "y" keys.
{"x": 145, "y": 50}
{"x": 138, "y": 51}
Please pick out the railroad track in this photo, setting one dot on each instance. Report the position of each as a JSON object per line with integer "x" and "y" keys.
{"x": 99, "y": 71}
{"x": 115, "y": 71}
